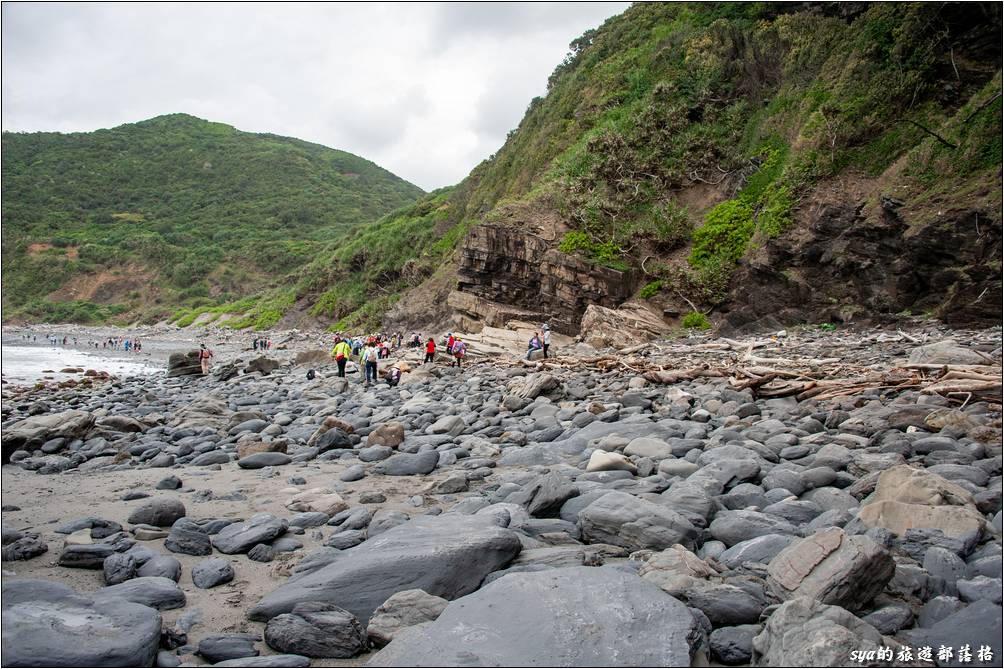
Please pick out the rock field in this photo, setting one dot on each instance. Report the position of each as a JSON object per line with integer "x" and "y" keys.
{"x": 600, "y": 509}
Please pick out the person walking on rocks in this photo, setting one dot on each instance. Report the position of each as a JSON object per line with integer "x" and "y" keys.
{"x": 430, "y": 350}
{"x": 204, "y": 355}
{"x": 341, "y": 353}
{"x": 369, "y": 360}
{"x": 547, "y": 339}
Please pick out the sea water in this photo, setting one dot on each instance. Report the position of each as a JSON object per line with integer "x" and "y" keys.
{"x": 26, "y": 364}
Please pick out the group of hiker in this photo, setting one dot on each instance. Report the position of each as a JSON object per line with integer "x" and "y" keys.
{"x": 131, "y": 345}
{"x": 367, "y": 351}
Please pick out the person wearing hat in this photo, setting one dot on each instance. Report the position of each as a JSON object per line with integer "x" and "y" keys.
{"x": 546, "y": 341}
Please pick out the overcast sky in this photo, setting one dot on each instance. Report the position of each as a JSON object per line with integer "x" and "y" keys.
{"x": 425, "y": 90}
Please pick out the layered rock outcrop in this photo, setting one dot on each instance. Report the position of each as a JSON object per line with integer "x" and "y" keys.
{"x": 844, "y": 262}
{"x": 511, "y": 273}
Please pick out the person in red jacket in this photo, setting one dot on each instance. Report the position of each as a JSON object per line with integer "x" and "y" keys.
{"x": 430, "y": 350}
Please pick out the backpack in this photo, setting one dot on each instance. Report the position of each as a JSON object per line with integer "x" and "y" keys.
{"x": 310, "y": 375}
{"x": 459, "y": 349}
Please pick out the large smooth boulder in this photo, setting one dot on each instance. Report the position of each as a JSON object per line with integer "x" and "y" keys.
{"x": 156, "y": 592}
{"x": 241, "y": 537}
{"x": 569, "y": 617}
{"x": 408, "y": 464}
{"x": 160, "y": 512}
{"x": 907, "y": 498}
{"x": 625, "y": 520}
{"x": 832, "y": 567}
{"x": 184, "y": 364}
{"x": 447, "y": 556}
{"x": 36, "y": 430}
{"x": 47, "y": 624}
{"x": 804, "y": 632}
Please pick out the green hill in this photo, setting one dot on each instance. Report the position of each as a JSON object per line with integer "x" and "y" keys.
{"x": 138, "y": 220}
{"x": 678, "y": 140}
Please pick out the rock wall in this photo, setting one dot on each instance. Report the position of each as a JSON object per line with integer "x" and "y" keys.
{"x": 845, "y": 264}
{"x": 507, "y": 272}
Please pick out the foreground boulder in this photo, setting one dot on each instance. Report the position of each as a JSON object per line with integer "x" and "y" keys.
{"x": 805, "y": 633}
{"x": 47, "y": 624}
{"x": 834, "y": 568}
{"x": 541, "y": 619}
{"x": 447, "y": 556}
{"x": 315, "y": 629}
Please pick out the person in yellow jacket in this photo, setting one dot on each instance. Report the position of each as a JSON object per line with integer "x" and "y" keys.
{"x": 341, "y": 353}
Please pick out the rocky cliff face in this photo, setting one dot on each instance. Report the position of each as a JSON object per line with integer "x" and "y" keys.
{"x": 844, "y": 262}
{"x": 510, "y": 273}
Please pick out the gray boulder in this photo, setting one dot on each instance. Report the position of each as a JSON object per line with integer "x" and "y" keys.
{"x": 408, "y": 464}
{"x": 160, "y": 512}
{"x": 265, "y": 459}
{"x": 733, "y": 645}
{"x": 316, "y": 629}
{"x": 212, "y": 572}
{"x": 154, "y": 591}
{"x": 266, "y": 661}
{"x": 979, "y": 624}
{"x": 447, "y": 556}
{"x": 540, "y": 619}
{"x": 403, "y": 609}
{"x": 47, "y": 624}
{"x": 803, "y": 632}
{"x": 161, "y": 565}
{"x": 544, "y": 496}
{"x": 188, "y": 538}
{"x": 222, "y": 647}
{"x": 625, "y": 520}
{"x": 242, "y": 537}
{"x": 85, "y": 556}
{"x": 732, "y": 527}
{"x": 119, "y": 567}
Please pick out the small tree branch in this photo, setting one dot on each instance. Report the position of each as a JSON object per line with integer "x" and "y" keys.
{"x": 929, "y": 132}
{"x": 981, "y": 108}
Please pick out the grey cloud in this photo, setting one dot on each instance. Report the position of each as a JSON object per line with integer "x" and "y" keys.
{"x": 425, "y": 90}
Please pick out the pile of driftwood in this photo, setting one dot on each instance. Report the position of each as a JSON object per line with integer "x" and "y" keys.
{"x": 790, "y": 375}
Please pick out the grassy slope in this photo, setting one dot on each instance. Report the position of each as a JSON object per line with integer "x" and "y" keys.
{"x": 666, "y": 98}
{"x": 200, "y": 210}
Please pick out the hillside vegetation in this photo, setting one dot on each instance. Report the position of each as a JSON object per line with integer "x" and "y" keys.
{"x": 137, "y": 220}
{"x": 675, "y": 140}
{"x": 683, "y": 136}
